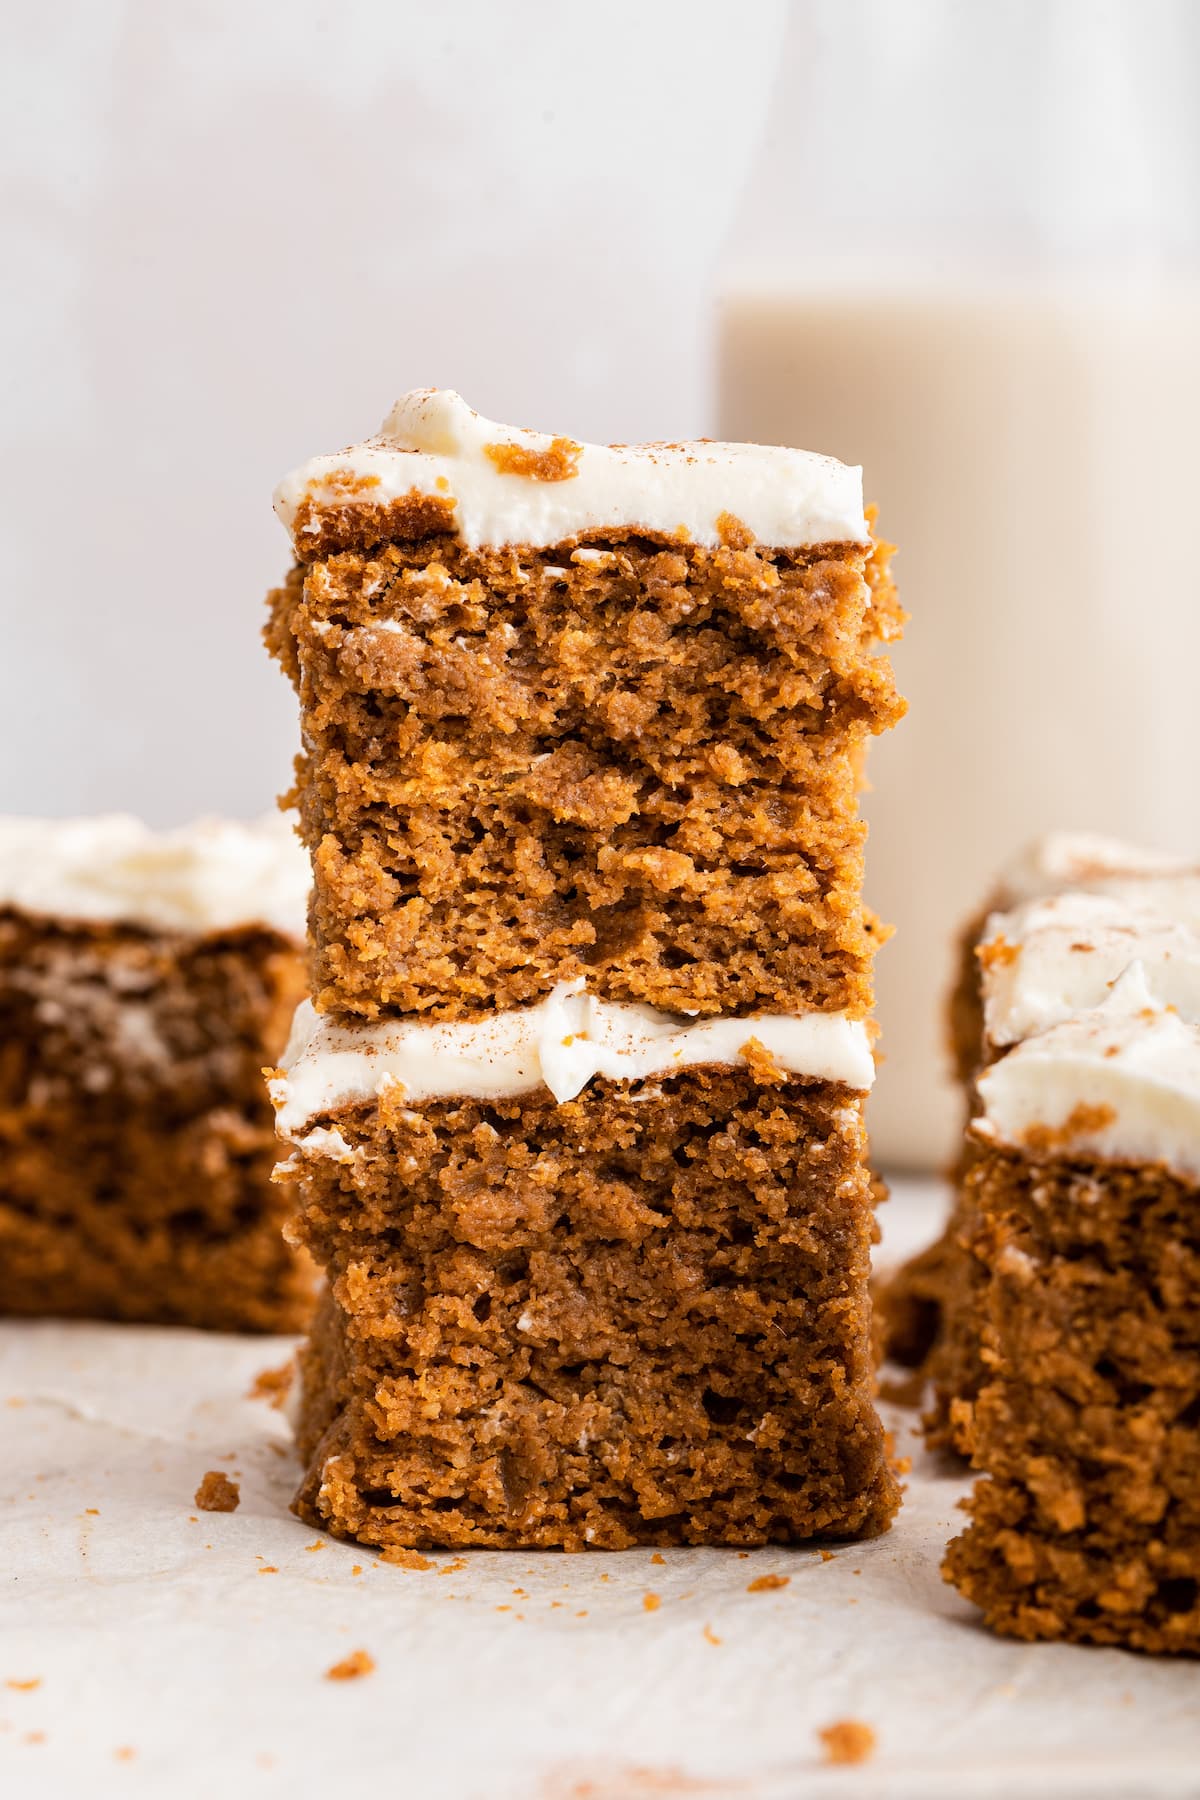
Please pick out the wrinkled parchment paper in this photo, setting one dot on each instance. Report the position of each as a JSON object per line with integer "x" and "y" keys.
{"x": 181, "y": 1653}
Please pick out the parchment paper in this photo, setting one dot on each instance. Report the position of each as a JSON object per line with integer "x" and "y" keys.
{"x": 180, "y": 1653}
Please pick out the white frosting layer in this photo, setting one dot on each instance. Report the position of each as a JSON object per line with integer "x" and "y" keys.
{"x": 561, "y": 1043}
{"x": 213, "y": 875}
{"x": 433, "y": 443}
{"x": 1091, "y": 992}
{"x": 1083, "y": 862}
{"x": 1049, "y": 959}
{"x": 1120, "y": 1080}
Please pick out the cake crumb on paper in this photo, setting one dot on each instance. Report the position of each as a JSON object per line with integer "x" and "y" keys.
{"x": 217, "y": 1493}
{"x": 272, "y": 1385}
{"x": 767, "y": 1584}
{"x": 651, "y": 1602}
{"x": 710, "y": 1636}
{"x": 406, "y": 1559}
{"x": 659, "y": 1559}
{"x": 847, "y": 1741}
{"x": 359, "y": 1662}
{"x": 24, "y": 1687}
{"x": 124, "y": 1753}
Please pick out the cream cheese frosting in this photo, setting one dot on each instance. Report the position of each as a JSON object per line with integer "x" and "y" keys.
{"x": 1120, "y": 1080}
{"x": 1084, "y": 862}
{"x": 1049, "y": 959}
{"x": 1091, "y": 995}
{"x": 561, "y": 1043}
{"x": 509, "y": 486}
{"x": 213, "y": 875}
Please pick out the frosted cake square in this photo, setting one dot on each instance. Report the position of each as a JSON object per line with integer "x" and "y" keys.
{"x": 145, "y": 980}
{"x": 576, "y": 1120}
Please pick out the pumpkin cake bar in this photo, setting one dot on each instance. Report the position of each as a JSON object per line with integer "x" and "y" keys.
{"x": 145, "y": 979}
{"x": 576, "y": 1119}
{"x": 1067, "y": 1291}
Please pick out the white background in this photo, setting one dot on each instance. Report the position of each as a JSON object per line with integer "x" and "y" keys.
{"x": 236, "y": 232}
{"x": 237, "y": 229}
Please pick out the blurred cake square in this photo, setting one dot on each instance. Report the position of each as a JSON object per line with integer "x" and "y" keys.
{"x": 145, "y": 980}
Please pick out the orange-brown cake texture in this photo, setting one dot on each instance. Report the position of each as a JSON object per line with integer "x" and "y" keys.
{"x": 576, "y": 1118}
{"x": 145, "y": 980}
{"x": 1061, "y": 1321}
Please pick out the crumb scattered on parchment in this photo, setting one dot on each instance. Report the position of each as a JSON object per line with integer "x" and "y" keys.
{"x": 359, "y": 1662}
{"x": 452, "y": 1568}
{"x": 847, "y": 1741}
{"x": 710, "y": 1636}
{"x": 659, "y": 1558}
{"x": 24, "y": 1687}
{"x": 629, "y": 1780}
{"x": 317, "y": 1544}
{"x": 272, "y": 1385}
{"x": 34, "y": 1737}
{"x": 356, "y": 1569}
{"x": 827, "y": 1556}
{"x": 268, "y": 1569}
{"x": 405, "y": 1559}
{"x": 124, "y": 1753}
{"x": 93, "y": 1512}
{"x": 651, "y": 1602}
{"x": 217, "y": 1493}
{"x": 766, "y": 1584}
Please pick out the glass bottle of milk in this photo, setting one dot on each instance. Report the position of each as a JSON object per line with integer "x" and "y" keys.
{"x": 969, "y": 262}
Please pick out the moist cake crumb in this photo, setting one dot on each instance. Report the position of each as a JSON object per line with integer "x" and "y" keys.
{"x": 848, "y": 1741}
{"x": 217, "y": 1493}
{"x": 359, "y": 1662}
{"x": 274, "y": 1385}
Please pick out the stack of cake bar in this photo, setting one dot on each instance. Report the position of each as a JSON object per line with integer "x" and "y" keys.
{"x": 1058, "y": 1319}
{"x": 575, "y": 1120}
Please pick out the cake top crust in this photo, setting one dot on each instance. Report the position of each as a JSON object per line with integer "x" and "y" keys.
{"x": 209, "y": 876}
{"x": 501, "y": 485}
